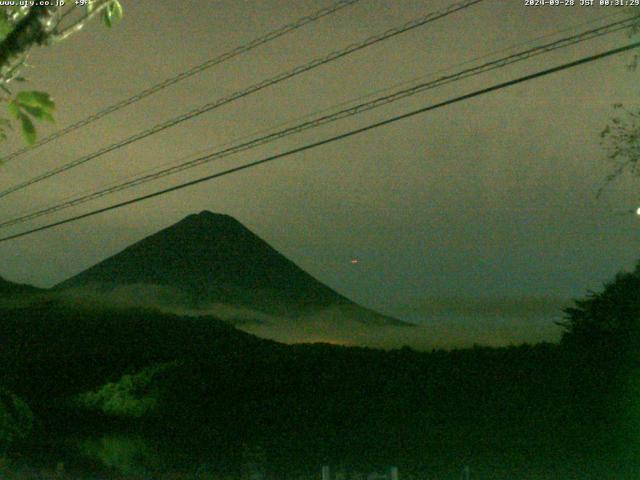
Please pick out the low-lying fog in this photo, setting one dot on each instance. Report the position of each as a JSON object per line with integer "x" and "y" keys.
{"x": 438, "y": 322}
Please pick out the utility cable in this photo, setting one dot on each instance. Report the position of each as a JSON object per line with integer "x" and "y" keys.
{"x": 423, "y": 20}
{"x": 341, "y": 114}
{"x": 184, "y": 75}
{"x": 333, "y": 139}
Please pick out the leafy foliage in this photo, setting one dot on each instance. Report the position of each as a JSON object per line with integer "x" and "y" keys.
{"x": 5, "y": 25}
{"x": 316, "y": 398}
{"x": 607, "y": 324}
{"x": 134, "y": 395}
{"x": 112, "y": 14}
{"x": 621, "y": 137}
{"x": 31, "y": 104}
{"x": 602, "y": 335}
{"x": 16, "y": 419}
{"x": 21, "y": 27}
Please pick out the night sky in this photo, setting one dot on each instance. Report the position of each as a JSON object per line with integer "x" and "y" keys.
{"x": 491, "y": 198}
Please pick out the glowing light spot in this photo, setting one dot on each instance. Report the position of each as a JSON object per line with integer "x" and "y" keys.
{"x": 638, "y": 211}
{"x": 355, "y": 260}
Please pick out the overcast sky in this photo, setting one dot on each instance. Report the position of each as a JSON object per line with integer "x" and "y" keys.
{"x": 492, "y": 197}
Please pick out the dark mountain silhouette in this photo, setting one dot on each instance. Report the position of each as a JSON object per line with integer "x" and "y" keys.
{"x": 213, "y": 258}
{"x": 10, "y": 288}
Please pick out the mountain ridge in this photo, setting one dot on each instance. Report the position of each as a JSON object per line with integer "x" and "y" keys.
{"x": 213, "y": 258}
{"x": 7, "y": 286}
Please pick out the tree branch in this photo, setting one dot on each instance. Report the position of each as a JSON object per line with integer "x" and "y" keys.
{"x": 29, "y": 31}
{"x": 78, "y": 24}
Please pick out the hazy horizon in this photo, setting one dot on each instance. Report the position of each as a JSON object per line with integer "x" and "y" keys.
{"x": 439, "y": 322}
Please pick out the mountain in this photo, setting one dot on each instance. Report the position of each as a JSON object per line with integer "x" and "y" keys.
{"x": 213, "y": 259}
{"x": 10, "y": 288}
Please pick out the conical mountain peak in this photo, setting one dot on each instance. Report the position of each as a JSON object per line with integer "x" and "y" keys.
{"x": 213, "y": 258}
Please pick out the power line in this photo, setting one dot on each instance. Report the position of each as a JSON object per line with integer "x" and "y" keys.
{"x": 186, "y": 74}
{"x": 423, "y": 20}
{"x": 335, "y": 138}
{"x": 344, "y": 103}
{"x": 322, "y": 120}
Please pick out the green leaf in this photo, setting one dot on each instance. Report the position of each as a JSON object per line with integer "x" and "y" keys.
{"x": 28, "y": 129}
{"x": 5, "y": 26}
{"x": 112, "y": 13}
{"x": 36, "y": 99}
{"x": 38, "y": 113}
{"x": 106, "y": 18}
{"x": 14, "y": 110}
{"x": 118, "y": 12}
